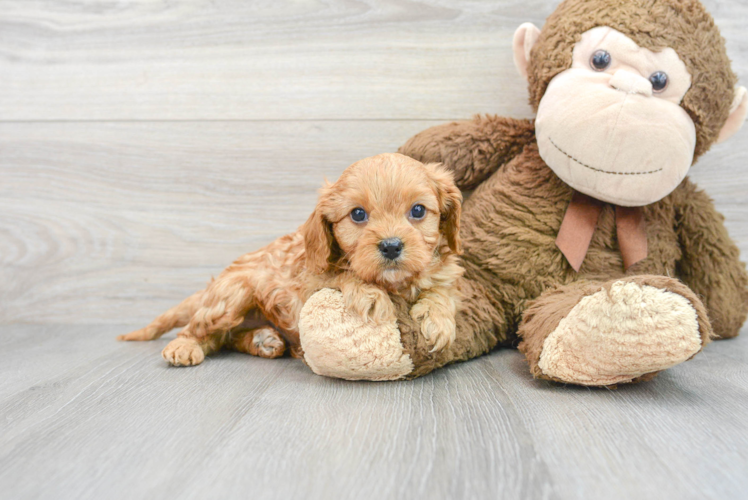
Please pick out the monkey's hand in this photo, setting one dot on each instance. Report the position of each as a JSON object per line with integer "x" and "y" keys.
{"x": 342, "y": 345}
{"x": 710, "y": 263}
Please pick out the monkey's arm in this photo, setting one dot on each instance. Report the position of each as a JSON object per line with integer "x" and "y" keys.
{"x": 472, "y": 149}
{"x": 711, "y": 265}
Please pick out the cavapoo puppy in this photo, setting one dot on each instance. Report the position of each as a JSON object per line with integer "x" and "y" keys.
{"x": 388, "y": 225}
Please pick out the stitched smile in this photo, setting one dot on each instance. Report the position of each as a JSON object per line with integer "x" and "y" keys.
{"x": 599, "y": 170}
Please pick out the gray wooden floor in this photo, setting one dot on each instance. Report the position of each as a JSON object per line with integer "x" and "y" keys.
{"x": 85, "y": 417}
{"x": 146, "y": 144}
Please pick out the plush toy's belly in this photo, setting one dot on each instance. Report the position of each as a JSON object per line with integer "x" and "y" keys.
{"x": 510, "y": 224}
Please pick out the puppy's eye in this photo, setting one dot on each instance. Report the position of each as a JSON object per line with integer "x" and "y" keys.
{"x": 600, "y": 60}
{"x": 659, "y": 81}
{"x": 418, "y": 211}
{"x": 359, "y": 215}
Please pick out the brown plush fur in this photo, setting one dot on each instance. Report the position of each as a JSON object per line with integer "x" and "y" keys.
{"x": 266, "y": 289}
{"x": 514, "y": 270}
{"x": 509, "y": 227}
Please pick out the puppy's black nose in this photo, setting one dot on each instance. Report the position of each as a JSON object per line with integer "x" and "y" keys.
{"x": 391, "y": 248}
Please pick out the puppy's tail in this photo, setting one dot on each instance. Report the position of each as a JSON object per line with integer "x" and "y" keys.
{"x": 176, "y": 316}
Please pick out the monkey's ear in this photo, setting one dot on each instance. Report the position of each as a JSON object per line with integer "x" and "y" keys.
{"x": 524, "y": 40}
{"x": 738, "y": 112}
{"x": 318, "y": 238}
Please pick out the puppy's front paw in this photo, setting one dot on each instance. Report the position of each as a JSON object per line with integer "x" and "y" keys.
{"x": 183, "y": 352}
{"x": 370, "y": 303}
{"x": 437, "y": 325}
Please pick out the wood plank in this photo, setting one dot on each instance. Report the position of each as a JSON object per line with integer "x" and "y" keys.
{"x": 102, "y": 419}
{"x": 97, "y": 215}
{"x": 112, "y": 222}
{"x": 312, "y": 59}
{"x": 685, "y": 421}
{"x": 103, "y": 223}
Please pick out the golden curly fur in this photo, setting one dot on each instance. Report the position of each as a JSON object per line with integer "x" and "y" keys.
{"x": 254, "y": 304}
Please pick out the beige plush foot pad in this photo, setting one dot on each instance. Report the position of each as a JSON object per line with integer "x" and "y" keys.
{"x": 615, "y": 336}
{"x": 339, "y": 344}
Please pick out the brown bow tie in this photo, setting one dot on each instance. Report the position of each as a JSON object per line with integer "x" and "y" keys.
{"x": 579, "y": 225}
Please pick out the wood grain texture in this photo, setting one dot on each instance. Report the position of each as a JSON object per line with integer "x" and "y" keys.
{"x": 85, "y": 417}
{"x": 118, "y": 221}
{"x": 145, "y": 144}
{"x": 267, "y": 59}
{"x": 112, "y": 222}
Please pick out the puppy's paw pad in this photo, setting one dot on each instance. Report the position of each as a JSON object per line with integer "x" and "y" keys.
{"x": 439, "y": 333}
{"x": 371, "y": 305}
{"x": 268, "y": 343}
{"x": 419, "y": 311}
{"x": 439, "y": 330}
{"x": 183, "y": 352}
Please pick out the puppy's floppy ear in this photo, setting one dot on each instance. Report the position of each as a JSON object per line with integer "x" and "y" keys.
{"x": 450, "y": 204}
{"x": 318, "y": 236}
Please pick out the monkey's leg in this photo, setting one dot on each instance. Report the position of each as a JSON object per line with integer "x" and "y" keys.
{"x": 342, "y": 345}
{"x": 602, "y": 334}
{"x": 264, "y": 342}
{"x": 178, "y": 315}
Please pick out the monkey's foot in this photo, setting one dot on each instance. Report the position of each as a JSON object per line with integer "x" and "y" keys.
{"x": 338, "y": 343}
{"x": 601, "y": 334}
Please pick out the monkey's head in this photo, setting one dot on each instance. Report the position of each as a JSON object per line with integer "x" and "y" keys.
{"x": 628, "y": 94}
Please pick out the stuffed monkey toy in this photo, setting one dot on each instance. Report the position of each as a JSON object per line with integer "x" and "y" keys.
{"x": 585, "y": 243}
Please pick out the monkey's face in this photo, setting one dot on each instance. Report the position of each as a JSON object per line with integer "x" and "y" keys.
{"x": 612, "y": 127}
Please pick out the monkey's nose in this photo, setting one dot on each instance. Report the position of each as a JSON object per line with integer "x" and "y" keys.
{"x": 631, "y": 83}
{"x": 391, "y": 248}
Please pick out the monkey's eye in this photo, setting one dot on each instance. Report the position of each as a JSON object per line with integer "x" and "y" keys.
{"x": 600, "y": 60}
{"x": 659, "y": 81}
{"x": 359, "y": 215}
{"x": 418, "y": 212}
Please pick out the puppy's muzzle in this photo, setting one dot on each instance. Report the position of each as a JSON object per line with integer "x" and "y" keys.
{"x": 391, "y": 248}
